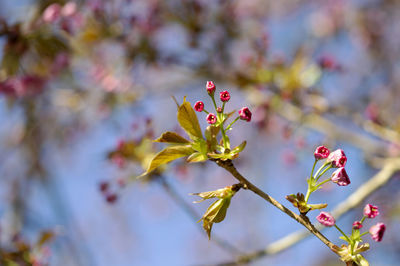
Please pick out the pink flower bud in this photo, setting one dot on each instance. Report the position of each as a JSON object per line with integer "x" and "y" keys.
{"x": 210, "y": 86}
{"x": 219, "y": 110}
{"x": 326, "y": 219}
{"x": 104, "y": 186}
{"x": 224, "y": 96}
{"x": 112, "y": 198}
{"x": 340, "y": 177}
{"x": 211, "y": 118}
{"x": 357, "y": 225}
{"x": 337, "y": 158}
{"x": 245, "y": 114}
{"x": 51, "y": 13}
{"x": 377, "y": 231}
{"x": 321, "y": 152}
{"x": 69, "y": 9}
{"x": 199, "y": 106}
{"x": 371, "y": 211}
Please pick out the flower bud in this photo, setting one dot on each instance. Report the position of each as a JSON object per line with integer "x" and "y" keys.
{"x": 337, "y": 158}
{"x": 51, "y": 13}
{"x": 199, "y": 106}
{"x": 224, "y": 96}
{"x": 245, "y": 114}
{"x": 321, "y": 152}
{"x": 340, "y": 177}
{"x": 219, "y": 110}
{"x": 211, "y": 118}
{"x": 371, "y": 211}
{"x": 326, "y": 219}
{"x": 69, "y": 9}
{"x": 210, "y": 86}
{"x": 357, "y": 225}
{"x": 377, "y": 231}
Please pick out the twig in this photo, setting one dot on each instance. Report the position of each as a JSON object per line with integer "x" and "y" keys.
{"x": 391, "y": 167}
{"x": 302, "y": 219}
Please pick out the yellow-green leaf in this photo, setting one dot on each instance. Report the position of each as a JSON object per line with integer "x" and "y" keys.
{"x": 172, "y": 137}
{"x": 187, "y": 118}
{"x": 167, "y": 155}
{"x": 215, "y": 214}
{"x": 197, "y": 157}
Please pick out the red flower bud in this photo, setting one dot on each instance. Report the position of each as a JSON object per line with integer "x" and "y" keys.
{"x": 321, "y": 152}
{"x": 371, "y": 211}
{"x": 337, "y": 158}
{"x": 219, "y": 110}
{"x": 224, "y": 96}
{"x": 210, "y": 86}
{"x": 245, "y": 114}
{"x": 211, "y": 118}
{"x": 199, "y": 106}
{"x": 377, "y": 231}
{"x": 326, "y": 219}
{"x": 357, "y": 225}
{"x": 112, "y": 198}
{"x": 104, "y": 186}
{"x": 340, "y": 177}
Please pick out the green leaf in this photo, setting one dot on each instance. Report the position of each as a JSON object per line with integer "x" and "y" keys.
{"x": 343, "y": 238}
{"x": 172, "y": 137}
{"x": 200, "y": 145}
{"x": 239, "y": 148}
{"x": 167, "y": 155}
{"x": 211, "y": 134}
{"x": 215, "y": 214}
{"x": 197, "y": 157}
{"x": 187, "y": 118}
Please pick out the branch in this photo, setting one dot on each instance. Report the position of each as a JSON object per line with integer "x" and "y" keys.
{"x": 391, "y": 167}
{"x": 302, "y": 219}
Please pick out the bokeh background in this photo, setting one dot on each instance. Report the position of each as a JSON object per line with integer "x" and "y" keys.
{"x": 86, "y": 85}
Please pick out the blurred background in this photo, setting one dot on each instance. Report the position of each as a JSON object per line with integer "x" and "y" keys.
{"x": 86, "y": 85}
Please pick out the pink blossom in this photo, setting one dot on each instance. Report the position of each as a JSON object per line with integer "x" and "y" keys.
{"x": 371, "y": 211}
{"x": 69, "y": 9}
{"x": 211, "y": 118}
{"x": 337, "y": 158}
{"x": 245, "y": 114}
{"x": 210, "y": 86}
{"x": 357, "y": 225}
{"x": 321, "y": 152}
{"x": 340, "y": 177}
{"x": 225, "y": 96}
{"x": 326, "y": 219}
{"x": 377, "y": 231}
{"x": 199, "y": 106}
{"x": 51, "y": 13}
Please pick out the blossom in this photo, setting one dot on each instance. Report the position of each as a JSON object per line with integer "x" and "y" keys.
{"x": 210, "y": 86}
{"x": 340, "y": 177}
{"x": 371, "y": 211}
{"x": 69, "y": 9}
{"x": 199, "y": 106}
{"x": 211, "y": 118}
{"x": 245, "y": 114}
{"x": 224, "y": 96}
{"x": 357, "y": 225}
{"x": 51, "y": 13}
{"x": 377, "y": 231}
{"x": 326, "y": 219}
{"x": 337, "y": 158}
{"x": 321, "y": 152}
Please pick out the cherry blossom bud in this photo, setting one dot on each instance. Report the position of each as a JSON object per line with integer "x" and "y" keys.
{"x": 51, "y": 13}
{"x": 245, "y": 114}
{"x": 219, "y": 110}
{"x": 104, "y": 186}
{"x": 112, "y": 198}
{"x": 326, "y": 219}
{"x": 357, "y": 225}
{"x": 211, "y": 118}
{"x": 321, "y": 152}
{"x": 377, "y": 231}
{"x": 337, "y": 158}
{"x": 210, "y": 86}
{"x": 199, "y": 106}
{"x": 69, "y": 9}
{"x": 340, "y": 177}
{"x": 224, "y": 96}
{"x": 371, "y": 211}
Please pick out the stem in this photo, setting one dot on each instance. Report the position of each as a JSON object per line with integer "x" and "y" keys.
{"x": 308, "y": 194}
{"x": 302, "y": 219}
{"x": 223, "y": 136}
{"x": 215, "y": 105}
{"x": 223, "y": 107}
{"x": 365, "y": 233}
{"x": 320, "y": 169}
{"x": 205, "y": 111}
{"x": 323, "y": 172}
{"x": 312, "y": 170}
{"x": 362, "y": 219}
{"x": 340, "y": 230}
{"x": 323, "y": 182}
{"x": 231, "y": 124}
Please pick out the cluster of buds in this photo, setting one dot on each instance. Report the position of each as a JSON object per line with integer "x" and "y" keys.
{"x": 336, "y": 159}
{"x": 109, "y": 194}
{"x": 67, "y": 16}
{"x": 351, "y": 252}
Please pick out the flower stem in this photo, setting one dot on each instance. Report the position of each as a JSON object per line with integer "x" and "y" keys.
{"x": 340, "y": 230}
{"x": 323, "y": 172}
{"x": 323, "y": 182}
{"x": 215, "y": 104}
{"x": 231, "y": 124}
{"x": 362, "y": 219}
{"x": 205, "y": 111}
{"x": 363, "y": 234}
{"x": 320, "y": 169}
{"x": 312, "y": 170}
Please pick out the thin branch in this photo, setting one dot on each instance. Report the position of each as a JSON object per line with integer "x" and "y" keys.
{"x": 390, "y": 168}
{"x": 302, "y": 219}
{"x": 195, "y": 216}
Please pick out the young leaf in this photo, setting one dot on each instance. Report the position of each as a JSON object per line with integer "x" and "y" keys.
{"x": 215, "y": 214}
{"x": 172, "y": 137}
{"x": 167, "y": 155}
{"x": 211, "y": 133}
{"x": 187, "y": 118}
{"x": 197, "y": 157}
{"x": 239, "y": 148}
